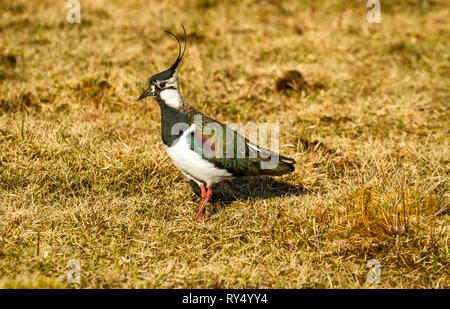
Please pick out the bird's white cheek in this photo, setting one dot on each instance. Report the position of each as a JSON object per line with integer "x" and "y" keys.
{"x": 171, "y": 97}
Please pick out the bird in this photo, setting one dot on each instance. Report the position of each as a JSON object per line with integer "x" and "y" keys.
{"x": 203, "y": 149}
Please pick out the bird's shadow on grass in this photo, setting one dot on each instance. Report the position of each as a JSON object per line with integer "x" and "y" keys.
{"x": 243, "y": 188}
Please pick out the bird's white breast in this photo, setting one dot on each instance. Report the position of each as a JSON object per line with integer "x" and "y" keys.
{"x": 191, "y": 163}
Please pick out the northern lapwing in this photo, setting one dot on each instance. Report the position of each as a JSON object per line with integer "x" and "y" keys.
{"x": 204, "y": 157}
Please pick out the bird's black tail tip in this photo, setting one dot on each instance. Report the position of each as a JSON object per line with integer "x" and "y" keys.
{"x": 287, "y": 160}
{"x": 284, "y": 166}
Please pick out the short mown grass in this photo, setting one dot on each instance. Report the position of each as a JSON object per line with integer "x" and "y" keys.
{"x": 84, "y": 175}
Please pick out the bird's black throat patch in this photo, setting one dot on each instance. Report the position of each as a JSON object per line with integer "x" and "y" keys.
{"x": 170, "y": 117}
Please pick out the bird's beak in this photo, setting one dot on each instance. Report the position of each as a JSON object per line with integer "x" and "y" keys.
{"x": 145, "y": 94}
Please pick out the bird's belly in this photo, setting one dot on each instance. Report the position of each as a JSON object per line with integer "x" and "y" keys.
{"x": 192, "y": 164}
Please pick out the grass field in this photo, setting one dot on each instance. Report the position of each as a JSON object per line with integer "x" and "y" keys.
{"x": 84, "y": 175}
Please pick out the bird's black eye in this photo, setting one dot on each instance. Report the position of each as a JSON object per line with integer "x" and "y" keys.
{"x": 161, "y": 85}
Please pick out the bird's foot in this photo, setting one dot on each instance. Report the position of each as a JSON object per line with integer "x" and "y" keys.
{"x": 206, "y": 195}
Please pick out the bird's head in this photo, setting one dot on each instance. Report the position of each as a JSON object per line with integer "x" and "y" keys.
{"x": 164, "y": 85}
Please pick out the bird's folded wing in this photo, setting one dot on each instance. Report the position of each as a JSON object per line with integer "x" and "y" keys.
{"x": 229, "y": 150}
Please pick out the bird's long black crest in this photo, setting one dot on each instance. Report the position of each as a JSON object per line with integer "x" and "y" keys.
{"x": 180, "y": 55}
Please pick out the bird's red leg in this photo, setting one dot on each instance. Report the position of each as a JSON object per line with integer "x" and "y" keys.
{"x": 202, "y": 187}
{"x": 205, "y": 200}
{"x": 208, "y": 196}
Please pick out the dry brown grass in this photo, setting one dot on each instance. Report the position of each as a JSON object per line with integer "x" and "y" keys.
{"x": 83, "y": 174}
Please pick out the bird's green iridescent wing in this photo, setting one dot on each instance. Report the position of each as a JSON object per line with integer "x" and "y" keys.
{"x": 229, "y": 150}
